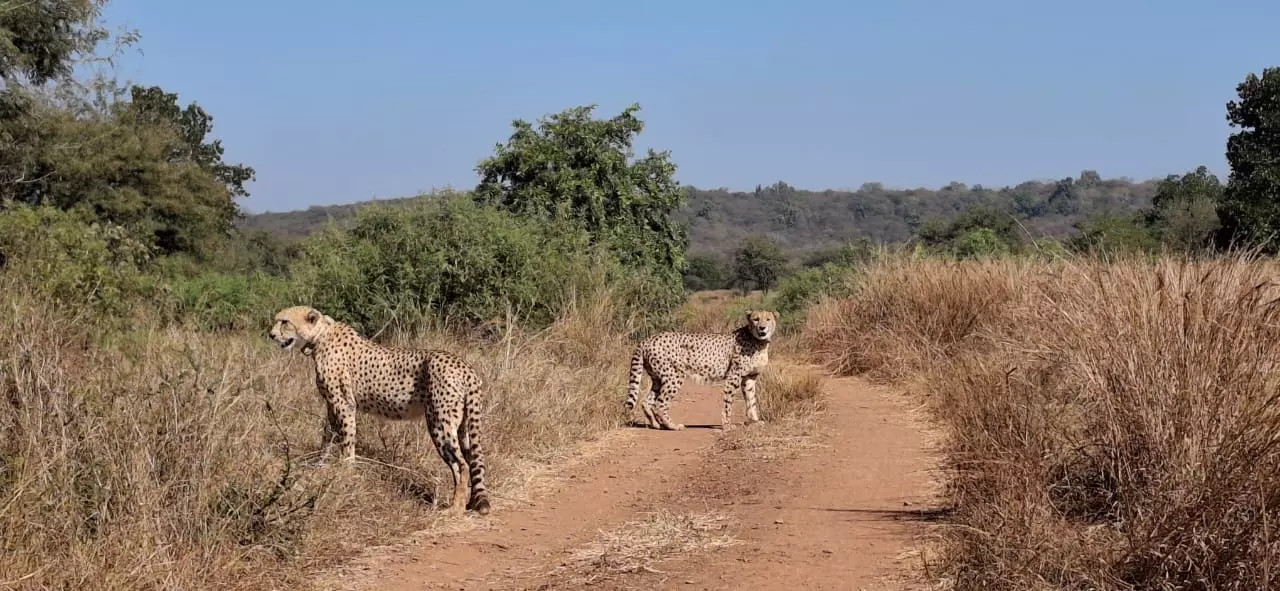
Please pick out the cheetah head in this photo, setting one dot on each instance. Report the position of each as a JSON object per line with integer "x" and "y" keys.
{"x": 762, "y": 323}
{"x": 299, "y": 325}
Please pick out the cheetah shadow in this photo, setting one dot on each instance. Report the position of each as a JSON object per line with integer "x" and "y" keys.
{"x": 640, "y": 424}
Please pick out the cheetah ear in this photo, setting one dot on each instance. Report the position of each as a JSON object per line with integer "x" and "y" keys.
{"x": 313, "y": 316}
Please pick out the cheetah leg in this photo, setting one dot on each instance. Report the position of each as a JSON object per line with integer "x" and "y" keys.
{"x": 343, "y": 412}
{"x": 329, "y": 434}
{"x": 650, "y": 400}
{"x": 667, "y": 393}
{"x": 445, "y": 434}
{"x": 731, "y": 386}
{"x": 749, "y": 393}
{"x": 347, "y": 432}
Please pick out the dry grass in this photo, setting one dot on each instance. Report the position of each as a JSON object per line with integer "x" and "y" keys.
{"x": 788, "y": 391}
{"x": 636, "y": 546}
{"x": 719, "y": 310}
{"x": 166, "y": 460}
{"x": 1110, "y": 426}
{"x": 789, "y": 396}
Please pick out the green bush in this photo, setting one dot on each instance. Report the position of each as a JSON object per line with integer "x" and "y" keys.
{"x": 980, "y": 243}
{"x": 445, "y": 258}
{"x": 223, "y": 301}
{"x": 705, "y": 272}
{"x": 97, "y": 266}
{"x": 795, "y": 294}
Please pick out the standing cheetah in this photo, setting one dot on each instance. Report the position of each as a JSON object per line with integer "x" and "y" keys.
{"x": 355, "y": 373}
{"x": 668, "y": 357}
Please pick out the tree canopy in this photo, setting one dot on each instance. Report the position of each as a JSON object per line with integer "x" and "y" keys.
{"x": 1250, "y": 206}
{"x": 574, "y": 167}
{"x": 759, "y": 263}
{"x": 41, "y": 40}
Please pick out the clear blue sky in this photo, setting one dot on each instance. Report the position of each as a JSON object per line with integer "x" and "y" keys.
{"x": 334, "y": 102}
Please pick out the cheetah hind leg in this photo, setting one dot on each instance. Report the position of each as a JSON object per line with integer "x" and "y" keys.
{"x": 649, "y": 404}
{"x": 670, "y": 387}
{"x": 447, "y": 445}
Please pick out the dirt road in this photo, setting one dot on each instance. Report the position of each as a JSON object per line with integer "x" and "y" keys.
{"x": 834, "y": 503}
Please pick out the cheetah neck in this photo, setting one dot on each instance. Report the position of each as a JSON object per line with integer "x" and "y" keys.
{"x": 317, "y": 342}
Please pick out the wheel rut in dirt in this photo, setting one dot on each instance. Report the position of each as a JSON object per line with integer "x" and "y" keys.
{"x": 836, "y": 502}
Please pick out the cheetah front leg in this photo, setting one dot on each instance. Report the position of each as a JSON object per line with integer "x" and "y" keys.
{"x": 331, "y": 428}
{"x": 749, "y": 393}
{"x": 342, "y": 416}
{"x": 328, "y": 434}
{"x": 732, "y": 383}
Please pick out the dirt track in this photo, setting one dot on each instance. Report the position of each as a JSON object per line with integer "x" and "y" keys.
{"x": 840, "y": 512}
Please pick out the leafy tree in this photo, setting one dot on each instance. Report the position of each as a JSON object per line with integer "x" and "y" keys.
{"x": 1183, "y": 211}
{"x": 153, "y": 106}
{"x": 980, "y": 243}
{"x": 1113, "y": 233}
{"x": 1065, "y": 198}
{"x": 143, "y": 164}
{"x": 704, "y": 272}
{"x": 977, "y": 230}
{"x": 41, "y": 40}
{"x": 758, "y": 262}
{"x": 845, "y": 255}
{"x": 574, "y": 167}
{"x": 1250, "y": 205}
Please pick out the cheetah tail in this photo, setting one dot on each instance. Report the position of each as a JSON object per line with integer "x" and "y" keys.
{"x": 473, "y": 453}
{"x": 633, "y": 383}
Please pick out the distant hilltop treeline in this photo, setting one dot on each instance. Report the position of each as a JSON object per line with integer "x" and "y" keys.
{"x": 800, "y": 220}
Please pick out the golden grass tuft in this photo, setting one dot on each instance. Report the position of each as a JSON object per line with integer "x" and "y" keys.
{"x": 1109, "y": 425}
{"x": 171, "y": 459}
{"x": 789, "y": 397}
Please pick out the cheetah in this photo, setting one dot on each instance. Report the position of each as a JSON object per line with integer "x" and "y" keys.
{"x": 670, "y": 357}
{"x": 354, "y": 373}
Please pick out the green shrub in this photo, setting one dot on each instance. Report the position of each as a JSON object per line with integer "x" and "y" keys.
{"x": 980, "y": 243}
{"x": 445, "y": 258}
{"x": 223, "y": 301}
{"x": 795, "y": 294}
{"x": 61, "y": 254}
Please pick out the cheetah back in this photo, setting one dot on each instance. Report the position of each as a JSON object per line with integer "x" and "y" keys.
{"x": 706, "y": 355}
{"x": 395, "y": 382}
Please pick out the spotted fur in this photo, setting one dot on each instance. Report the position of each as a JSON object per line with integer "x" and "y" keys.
{"x": 670, "y": 357}
{"x": 354, "y": 373}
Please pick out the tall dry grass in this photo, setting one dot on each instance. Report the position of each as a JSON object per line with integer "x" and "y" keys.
{"x": 1109, "y": 425}
{"x": 165, "y": 459}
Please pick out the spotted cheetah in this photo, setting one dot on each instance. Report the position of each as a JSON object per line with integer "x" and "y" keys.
{"x": 670, "y": 357}
{"x": 397, "y": 383}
